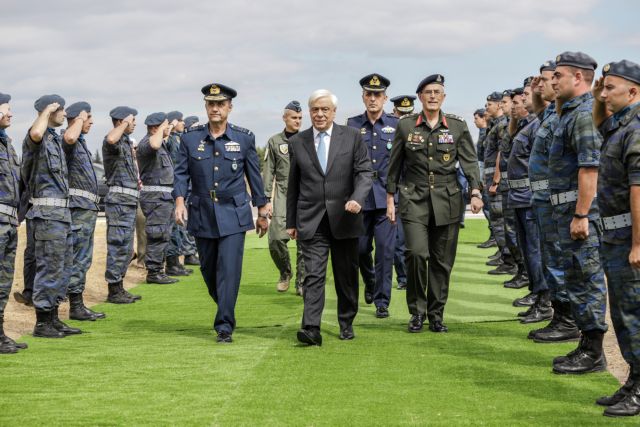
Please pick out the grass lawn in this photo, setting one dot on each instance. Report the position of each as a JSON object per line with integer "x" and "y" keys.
{"x": 156, "y": 362}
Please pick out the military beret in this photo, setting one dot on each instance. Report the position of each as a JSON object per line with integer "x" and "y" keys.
{"x": 190, "y": 121}
{"x": 4, "y": 98}
{"x": 507, "y": 92}
{"x": 517, "y": 91}
{"x": 626, "y": 69}
{"x": 76, "y": 108}
{"x": 548, "y": 66}
{"x": 120, "y": 113}
{"x": 155, "y": 119}
{"x": 218, "y": 92}
{"x": 495, "y": 96}
{"x": 375, "y": 83}
{"x": 527, "y": 81}
{"x": 403, "y": 103}
{"x": 576, "y": 59}
{"x": 174, "y": 115}
{"x": 42, "y": 102}
{"x": 433, "y": 78}
{"x": 480, "y": 112}
{"x": 293, "y": 106}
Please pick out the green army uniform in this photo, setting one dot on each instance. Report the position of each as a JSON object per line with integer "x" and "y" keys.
{"x": 431, "y": 203}
{"x": 276, "y": 168}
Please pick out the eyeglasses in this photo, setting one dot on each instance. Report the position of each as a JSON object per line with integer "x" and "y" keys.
{"x": 432, "y": 92}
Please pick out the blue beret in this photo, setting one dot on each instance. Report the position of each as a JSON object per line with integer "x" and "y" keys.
{"x": 293, "y": 106}
{"x": 4, "y": 98}
{"x": 495, "y": 97}
{"x": 120, "y": 113}
{"x": 527, "y": 81}
{"x": 217, "y": 92}
{"x": 548, "y": 66}
{"x": 403, "y": 103}
{"x": 375, "y": 83}
{"x": 42, "y": 102}
{"x": 576, "y": 59}
{"x": 517, "y": 91}
{"x": 507, "y": 92}
{"x": 76, "y": 108}
{"x": 480, "y": 112}
{"x": 433, "y": 78}
{"x": 190, "y": 121}
{"x": 626, "y": 69}
{"x": 174, "y": 115}
{"x": 155, "y": 119}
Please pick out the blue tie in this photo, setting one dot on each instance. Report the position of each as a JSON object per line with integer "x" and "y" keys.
{"x": 322, "y": 151}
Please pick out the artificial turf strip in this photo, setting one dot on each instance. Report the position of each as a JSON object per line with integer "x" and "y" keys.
{"x": 156, "y": 363}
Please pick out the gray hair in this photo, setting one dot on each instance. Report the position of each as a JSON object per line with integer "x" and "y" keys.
{"x": 323, "y": 93}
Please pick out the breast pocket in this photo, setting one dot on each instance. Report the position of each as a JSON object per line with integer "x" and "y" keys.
{"x": 233, "y": 162}
{"x": 200, "y": 164}
{"x": 54, "y": 159}
{"x": 543, "y": 140}
{"x": 165, "y": 160}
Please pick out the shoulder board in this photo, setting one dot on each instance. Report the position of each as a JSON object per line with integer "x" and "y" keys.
{"x": 195, "y": 128}
{"x": 409, "y": 116}
{"x": 453, "y": 116}
{"x": 391, "y": 116}
{"x": 240, "y": 129}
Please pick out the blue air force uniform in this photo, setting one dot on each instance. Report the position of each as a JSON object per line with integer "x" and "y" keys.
{"x": 219, "y": 212}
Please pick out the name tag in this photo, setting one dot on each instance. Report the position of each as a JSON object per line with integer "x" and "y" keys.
{"x": 232, "y": 147}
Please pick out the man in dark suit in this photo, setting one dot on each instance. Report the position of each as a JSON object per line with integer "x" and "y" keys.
{"x": 329, "y": 179}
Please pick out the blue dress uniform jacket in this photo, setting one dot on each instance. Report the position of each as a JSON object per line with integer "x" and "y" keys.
{"x": 219, "y": 202}
{"x": 379, "y": 139}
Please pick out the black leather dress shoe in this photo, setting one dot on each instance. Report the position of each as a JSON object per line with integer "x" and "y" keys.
{"x": 402, "y": 286}
{"x": 494, "y": 262}
{"x": 224, "y": 337}
{"x": 382, "y": 312}
{"x": 368, "y": 297}
{"x": 488, "y": 244}
{"x": 416, "y": 323}
{"x": 310, "y": 337}
{"x": 347, "y": 333}
{"x": 504, "y": 269}
{"x": 437, "y": 327}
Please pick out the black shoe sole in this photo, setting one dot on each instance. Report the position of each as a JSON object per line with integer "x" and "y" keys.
{"x": 539, "y": 341}
{"x": 590, "y": 371}
{"x": 307, "y": 339}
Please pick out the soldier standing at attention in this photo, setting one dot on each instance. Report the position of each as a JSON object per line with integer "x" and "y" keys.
{"x": 9, "y": 202}
{"x": 377, "y": 130}
{"x": 425, "y": 149}
{"x": 156, "y": 202}
{"x": 216, "y": 158}
{"x": 618, "y": 93}
{"x": 121, "y": 201}
{"x": 574, "y": 158}
{"x": 83, "y": 201}
{"x": 276, "y": 179}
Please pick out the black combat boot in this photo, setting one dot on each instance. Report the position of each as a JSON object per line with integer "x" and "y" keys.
{"x": 116, "y": 296}
{"x": 159, "y": 278}
{"x": 61, "y": 326}
{"x": 526, "y": 301}
{"x": 6, "y": 347}
{"x": 44, "y": 325}
{"x": 191, "y": 260}
{"x": 127, "y": 293}
{"x": 174, "y": 268}
{"x": 562, "y": 330}
{"x": 490, "y": 243}
{"x": 505, "y": 268}
{"x": 621, "y": 393}
{"x": 628, "y": 406}
{"x": 541, "y": 310}
{"x": 589, "y": 356}
{"x": 79, "y": 311}
{"x": 24, "y": 298}
{"x": 5, "y": 340}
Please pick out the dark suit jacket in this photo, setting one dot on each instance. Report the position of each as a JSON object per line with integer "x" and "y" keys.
{"x": 311, "y": 193}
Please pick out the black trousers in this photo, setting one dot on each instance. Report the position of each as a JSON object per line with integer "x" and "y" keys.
{"x": 344, "y": 258}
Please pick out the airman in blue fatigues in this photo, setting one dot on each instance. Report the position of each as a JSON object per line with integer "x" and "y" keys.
{"x": 9, "y": 202}
{"x": 618, "y": 92}
{"x": 44, "y": 168}
{"x": 83, "y": 201}
{"x": 217, "y": 158}
{"x": 574, "y": 157}
{"x": 121, "y": 173}
{"x": 377, "y": 129}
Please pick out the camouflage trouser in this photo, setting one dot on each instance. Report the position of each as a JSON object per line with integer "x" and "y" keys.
{"x": 552, "y": 267}
{"x": 623, "y": 283}
{"x": 159, "y": 216}
{"x": 54, "y": 254}
{"x": 187, "y": 242}
{"x": 583, "y": 274}
{"x": 496, "y": 216}
{"x": 8, "y": 246}
{"x": 141, "y": 236}
{"x": 282, "y": 260}
{"x": 83, "y": 224}
{"x": 510, "y": 231}
{"x": 120, "y": 228}
{"x": 181, "y": 242}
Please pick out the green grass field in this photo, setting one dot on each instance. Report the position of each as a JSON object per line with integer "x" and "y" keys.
{"x": 156, "y": 362}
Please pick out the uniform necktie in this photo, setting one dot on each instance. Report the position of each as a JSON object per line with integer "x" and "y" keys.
{"x": 322, "y": 151}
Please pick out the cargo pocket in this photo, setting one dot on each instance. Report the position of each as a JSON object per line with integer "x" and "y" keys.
{"x": 455, "y": 200}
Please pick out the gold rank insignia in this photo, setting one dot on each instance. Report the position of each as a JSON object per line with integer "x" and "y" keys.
{"x": 214, "y": 90}
{"x": 606, "y": 68}
{"x": 446, "y": 157}
{"x": 201, "y": 146}
{"x": 405, "y": 103}
{"x": 375, "y": 81}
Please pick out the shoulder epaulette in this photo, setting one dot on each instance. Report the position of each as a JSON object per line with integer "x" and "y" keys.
{"x": 409, "y": 116}
{"x": 194, "y": 128}
{"x": 453, "y": 116}
{"x": 240, "y": 129}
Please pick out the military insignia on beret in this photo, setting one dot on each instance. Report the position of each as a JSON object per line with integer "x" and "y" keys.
{"x": 546, "y": 64}
{"x": 558, "y": 58}
{"x": 606, "y": 68}
{"x": 375, "y": 81}
{"x": 214, "y": 90}
{"x": 232, "y": 147}
{"x": 388, "y": 129}
{"x": 446, "y": 157}
{"x": 405, "y": 103}
{"x": 284, "y": 148}
{"x": 439, "y": 78}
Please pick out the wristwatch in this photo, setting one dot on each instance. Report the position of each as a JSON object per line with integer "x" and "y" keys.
{"x": 478, "y": 195}
{"x": 577, "y": 215}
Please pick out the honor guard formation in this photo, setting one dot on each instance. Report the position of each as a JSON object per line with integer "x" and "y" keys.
{"x": 555, "y": 170}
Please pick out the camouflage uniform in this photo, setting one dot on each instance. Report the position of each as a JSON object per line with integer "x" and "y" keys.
{"x": 44, "y": 167}
{"x": 120, "y": 206}
{"x": 619, "y": 170}
{"x": 576, "y": 143}
{"x": 9, "y": 200}
{"x": 495, "y": 130}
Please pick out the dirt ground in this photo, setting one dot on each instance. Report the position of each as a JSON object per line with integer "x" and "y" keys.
{"x": 19, "y": 319}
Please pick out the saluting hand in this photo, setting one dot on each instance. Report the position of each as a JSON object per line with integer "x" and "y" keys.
{"x": 597, "y": 89}
{"x": 51, "y": 108}
{"x": 353, "y": 207}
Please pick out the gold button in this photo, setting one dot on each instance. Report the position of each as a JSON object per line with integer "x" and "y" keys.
{"x": 215, "y": 168}
{"x": 430, "y": 158}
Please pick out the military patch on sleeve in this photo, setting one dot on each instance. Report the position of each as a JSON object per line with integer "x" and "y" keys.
{"x": 266, "y": 154}
{"x": 232, "y": 147}
{"x": 388, "y": 129}
{"x": 284, "y": 148}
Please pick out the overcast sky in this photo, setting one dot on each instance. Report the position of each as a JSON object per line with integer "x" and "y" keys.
{"x": 156, "y": 55}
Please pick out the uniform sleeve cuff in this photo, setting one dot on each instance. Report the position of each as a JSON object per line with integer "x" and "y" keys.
{"x": 392, "y": 188}
{"x": 259, "y": 201}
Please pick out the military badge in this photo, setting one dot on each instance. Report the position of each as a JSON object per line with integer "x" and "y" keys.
{"x": 446, "y": 157}
{"x": 375, "y": 81}
{"x": 439, "y": 79}
{"x": 284, "y": 148}
{"x": 201, "y": 146}
{"x": 606, "y": 68}
{"x": 214, "y": 90}
{"x": 558, "y": 58}
{"x": 389, "y": 145}
{"x": 232, "y": 147}
{"x": 363, "y": 131}
{"x": 234, "y": 166}
{"x": 405, "y": 103}
{"x": 410, "y": 137}
{"x": 388, "y": 129}
{"x": 417, "y": 139}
